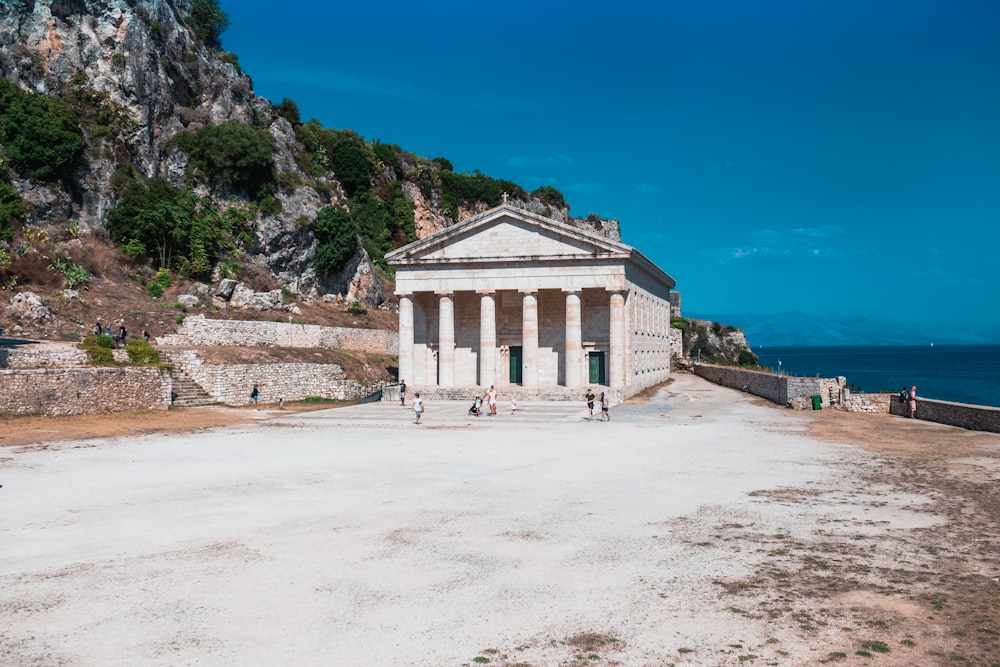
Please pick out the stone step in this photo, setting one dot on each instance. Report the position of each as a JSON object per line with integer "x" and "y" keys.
{"x": 186, "y": 392}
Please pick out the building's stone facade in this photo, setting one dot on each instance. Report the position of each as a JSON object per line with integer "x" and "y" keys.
{"x": 199, "y": 330}
{"x": 510, "y": 298}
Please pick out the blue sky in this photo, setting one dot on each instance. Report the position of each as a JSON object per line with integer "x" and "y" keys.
{"x": 829, "y": 156}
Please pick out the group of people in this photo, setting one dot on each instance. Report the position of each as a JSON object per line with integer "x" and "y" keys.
{"x": 121, "y": 337}
{"x": 490, "y": 399}
{"x": 605, "y": 408}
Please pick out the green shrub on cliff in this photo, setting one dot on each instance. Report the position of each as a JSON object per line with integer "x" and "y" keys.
{"x": 343, "y": 152}
{"x": 549, "y": 196}
{"x": 337, "y": 239}
{"x": 41, "y": 135}
{"x": 468, "y": 189}
{"x": 388, "y": 154}
{"x": 173, "y": 226}
{"x": 11, "y": 207}
{"x": 231, "y": 155}
{"x": 209, "y": 21}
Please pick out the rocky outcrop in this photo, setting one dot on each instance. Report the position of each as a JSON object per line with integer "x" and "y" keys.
{"x": 144, "y": 60}
{"x": 713, "y": 342}
{"x": 144, "y": 57}
{"x": 29, "y": 307}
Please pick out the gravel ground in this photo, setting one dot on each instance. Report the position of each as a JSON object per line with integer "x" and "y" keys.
{"x": 701, "y": 527}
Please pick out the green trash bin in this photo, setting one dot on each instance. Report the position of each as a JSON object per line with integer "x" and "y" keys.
{"x": 817, "y": 402}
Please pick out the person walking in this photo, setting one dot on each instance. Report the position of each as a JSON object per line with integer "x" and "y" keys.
{"x": 402, "y": 393}
{"x": 255, "y": 395}
{"x": 590, "y": 404}
{"x": 605, "y": 414}
{"x": 913, "y": 402}
{"x": 418, "y": 406}
{"x": 491, "y": 397}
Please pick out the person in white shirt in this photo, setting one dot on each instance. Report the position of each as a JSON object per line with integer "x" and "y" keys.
{"x": 418, "y": 406}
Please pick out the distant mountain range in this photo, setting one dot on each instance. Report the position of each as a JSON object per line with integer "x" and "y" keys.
{"x": 795, "y": 329}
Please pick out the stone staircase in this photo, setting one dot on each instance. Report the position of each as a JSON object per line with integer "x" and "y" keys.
{"x": 186, "y": 392}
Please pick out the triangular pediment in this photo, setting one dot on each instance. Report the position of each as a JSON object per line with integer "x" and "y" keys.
{"x": 507, "y": 234}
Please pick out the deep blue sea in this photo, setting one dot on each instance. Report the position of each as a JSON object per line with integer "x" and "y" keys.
{"x": 959, "y": 373}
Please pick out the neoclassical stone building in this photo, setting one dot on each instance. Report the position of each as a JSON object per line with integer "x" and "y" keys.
{"x": 509, "y": 297}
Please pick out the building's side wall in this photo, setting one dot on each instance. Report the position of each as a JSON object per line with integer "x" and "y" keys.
{"x": 648, "y": 336}
{"x": 79, "y": 391}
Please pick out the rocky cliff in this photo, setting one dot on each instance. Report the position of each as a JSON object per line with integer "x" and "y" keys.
{"x": 713, "y": 342}
{"x": 140, "y": 73}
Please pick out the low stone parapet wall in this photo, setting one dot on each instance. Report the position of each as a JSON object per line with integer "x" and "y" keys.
{"x": 79, "y": 391}
{"x": 199, "y": 330}
{"x": 765, "y": 385}
{"x": 782, "y": 389}
{"x": 871, "y": 403}
{"x": 972, "y": 417}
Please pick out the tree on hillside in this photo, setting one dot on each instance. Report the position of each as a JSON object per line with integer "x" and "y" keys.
{"x": 169, "y": 225}
{"x": 40, "y": 134}
{"x": 209, "y": 21}
{"x": 231, "y": 155}
{"x": 337, "y": 239}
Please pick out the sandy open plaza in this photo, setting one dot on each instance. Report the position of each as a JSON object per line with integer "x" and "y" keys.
{"x": 700, "y": 527}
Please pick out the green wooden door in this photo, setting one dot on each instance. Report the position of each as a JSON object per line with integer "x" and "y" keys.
{"x": 515, "y": 364}
{"x": 597, "y": 368}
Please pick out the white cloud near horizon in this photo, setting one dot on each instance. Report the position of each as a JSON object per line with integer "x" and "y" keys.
{"x": 775, "y": 244}
{"x": 585, "y": 188}
{"x": 529, "y": 161}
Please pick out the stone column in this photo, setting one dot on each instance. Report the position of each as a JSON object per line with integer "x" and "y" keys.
{"x": 406, "y": 338}
{"x": 529, "y": 339}
{"x": 616, "y": 341}
{"x": 574, "y": 340}
{"x": 446, "y": 339}
{"x": 488, "y": 339}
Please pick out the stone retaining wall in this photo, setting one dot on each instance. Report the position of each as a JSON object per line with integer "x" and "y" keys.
{"x": 79, "y": 391}
{"x": 231, "y": 383}
{"x": 972, "y": 417}
{"x": 48, "y": 355}
{"x": 37, "y": 356}
{"x": 781, "y": 390}
{"x": 199, "y": 330}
